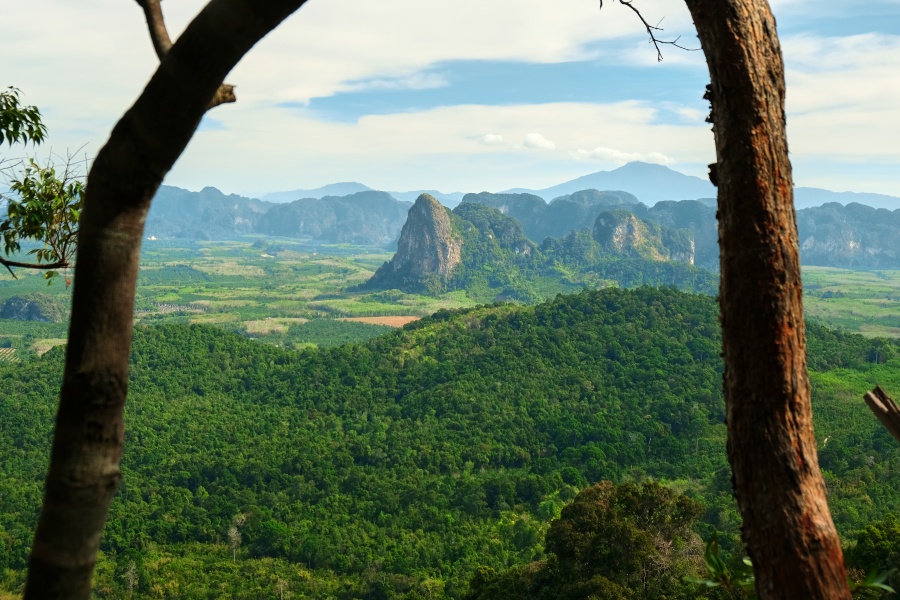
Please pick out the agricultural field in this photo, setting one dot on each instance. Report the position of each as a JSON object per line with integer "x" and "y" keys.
{"x": 296, "y": 293}
{"x": 866, "y": 302}
{"x": 281, "y": 291}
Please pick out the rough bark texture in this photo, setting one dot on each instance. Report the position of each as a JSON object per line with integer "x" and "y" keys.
{"x": 787, "y": 527}
{"x": 87, "y": 445}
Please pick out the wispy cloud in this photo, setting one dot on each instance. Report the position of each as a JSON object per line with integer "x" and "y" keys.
{"x": 415, "y": 81}
{"x": 538, "y": 142}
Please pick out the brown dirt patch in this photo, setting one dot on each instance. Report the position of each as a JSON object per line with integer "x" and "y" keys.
{"x": 395, "y": 321}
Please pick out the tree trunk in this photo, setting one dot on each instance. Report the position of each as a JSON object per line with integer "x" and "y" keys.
{"x": 787, "y": 527}
{"x": 87, "y": 444}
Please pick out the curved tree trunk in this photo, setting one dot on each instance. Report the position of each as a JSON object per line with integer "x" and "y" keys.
{"x": 87, "y": 445}
{"x": 787, "y": 527}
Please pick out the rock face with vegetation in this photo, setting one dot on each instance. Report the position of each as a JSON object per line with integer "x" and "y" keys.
{"x": 367, "y": 218}
{"x": 496, "y": 261}
{"x": 541, "y": 220}
{"x": 622, "y": 233}
{"x": 207, "y": 214}
{"x": 34, "y": 307}
{"x": 696, "y": 216}
{"x": 849, "y": 236}
{"x": 428, "y": 251}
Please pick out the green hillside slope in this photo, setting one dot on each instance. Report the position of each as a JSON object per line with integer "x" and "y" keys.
{"x": 398, "y": 466}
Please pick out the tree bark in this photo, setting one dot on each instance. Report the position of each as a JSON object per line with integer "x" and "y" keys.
{"x": 87, "y": 445}
{"x": 787, "y": 527}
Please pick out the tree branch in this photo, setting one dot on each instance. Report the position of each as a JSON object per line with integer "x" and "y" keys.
{"x": 9, "y": 264}
{"x": 651, "y": 31}
{"x": 159, "y": 35}
{"x": 885, "y": 409}
{"x": 156, "y": 25}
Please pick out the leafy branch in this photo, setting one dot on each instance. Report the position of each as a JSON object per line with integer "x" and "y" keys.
{"x": 19, "y": 123}
{"x": 43, "y": 206}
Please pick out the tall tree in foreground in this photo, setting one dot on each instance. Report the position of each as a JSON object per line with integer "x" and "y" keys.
{"x": 787, "y": 525}
{"x": 87, "y": 445}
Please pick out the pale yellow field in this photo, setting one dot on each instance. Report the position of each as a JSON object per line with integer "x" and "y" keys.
{"x": 42, "y": 346}
{"x": 272, "y": 325}
{"x": 395, "y": 321}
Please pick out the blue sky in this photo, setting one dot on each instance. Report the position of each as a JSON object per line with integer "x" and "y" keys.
{"x": 466, "y": 96}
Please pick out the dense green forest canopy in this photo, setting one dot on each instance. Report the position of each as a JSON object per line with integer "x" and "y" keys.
{"x": 399, "y": 466}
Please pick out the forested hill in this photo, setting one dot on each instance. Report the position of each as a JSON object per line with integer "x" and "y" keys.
{"x": 396, "y": 467}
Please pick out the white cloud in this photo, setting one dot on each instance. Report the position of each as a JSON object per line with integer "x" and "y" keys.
{"x": 843, "y": 93}
{"x": 617, "y": 157}
{"x": 538, "y": 142}
{"x": 491, "y": 139}
{"x": 842, "y": 99}
{"x": 314, "y": 53}
{"x": 429, "y": 149}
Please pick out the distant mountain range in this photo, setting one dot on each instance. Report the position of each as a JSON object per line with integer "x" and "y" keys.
{"x": 367, "y": 218}
{"x": 831, "y": 234}
{"x": 352, "y": 187}
{"x": 648, "y": 182}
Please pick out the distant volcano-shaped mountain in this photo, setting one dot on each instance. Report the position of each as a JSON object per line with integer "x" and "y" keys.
{"x": 648, "y": 182}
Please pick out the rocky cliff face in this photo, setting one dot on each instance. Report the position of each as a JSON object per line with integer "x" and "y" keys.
{"x": 205, "y": 215}
{"x": 428, "y": 250}
{"x": 366, "y": 218}
{"x": 527, "y": 209}
{"x": 34, "y": 307}
{"x": 853, "y": 236}
{"x": 697, "y": 217}
{"x": 561, "y": 216}
{"x": 622, "y": 233}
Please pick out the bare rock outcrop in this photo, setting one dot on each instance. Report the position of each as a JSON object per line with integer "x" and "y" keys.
{"x": 427, "y": 252}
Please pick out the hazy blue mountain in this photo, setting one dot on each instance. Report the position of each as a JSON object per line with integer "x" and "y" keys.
{"x": 654, "y": 183}
{"x": 449, "y": 200}
{"x": 351, "y": 187}
{"x": 332, "y": 189}
{"x": 207, "y": 214}
{"x": 368, "y": 218}
{"x": 854, "y": 236}
{"x": 805, "y": 197}
{"x": 650, "y": 183}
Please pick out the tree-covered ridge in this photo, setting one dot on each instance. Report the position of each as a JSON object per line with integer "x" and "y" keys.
{"x": 404, "y": 463}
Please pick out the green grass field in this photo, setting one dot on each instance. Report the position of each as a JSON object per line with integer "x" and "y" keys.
{"x": 259, "y": 287}
{"x": 867, "y": 302}
{"x": 264, "y": 287}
